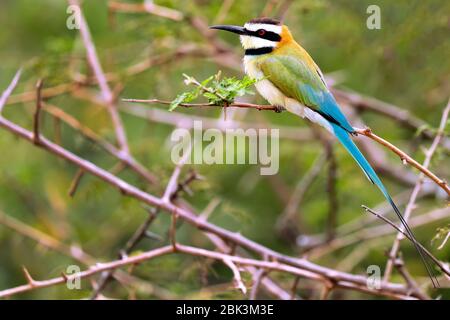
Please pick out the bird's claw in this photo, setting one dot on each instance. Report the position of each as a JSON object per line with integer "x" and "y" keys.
{"x": 279, "y": 109}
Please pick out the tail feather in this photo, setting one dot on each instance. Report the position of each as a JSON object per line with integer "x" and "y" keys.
{"x": 349, "y": 145}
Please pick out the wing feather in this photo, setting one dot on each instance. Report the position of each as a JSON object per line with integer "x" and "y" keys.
{"x": 302, "y": 81}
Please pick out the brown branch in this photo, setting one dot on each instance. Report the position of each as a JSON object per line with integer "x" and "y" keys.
{"x": 400, "y": 115}
{"x": 75, "y": 182}
{"x": 327, "y": 289}
{"x": 236, "y": 275}
{"x": 411, "y": 204}
{"x": 107, "y": 94}
{"x": 294, "y": 288}
{"x": 365, "y": 132}
{"x": 206, "y": 105}
{"x": 173, "y": 231}
{"x": 94, "y": 137}
{"x": 297, "y": 266}
{"x": 186, "y": 121}
{"x": 77, "y": 254}
{"x": 267, "y": 283}
{"x": 135, "y": 239}
{"x": 31, "y": 282}
{"x": 425, "y": 250}
{"x": 37, "y": 112}
{"x": 412, "y": 284}
{"x": 376, "y": 232}
{"x": 143, "y": 232}
{"x": 405, "y": 158}
{"x": 355, "y": 282}
{"x": 258, "y": 276}
{"x": 182, "y": 51}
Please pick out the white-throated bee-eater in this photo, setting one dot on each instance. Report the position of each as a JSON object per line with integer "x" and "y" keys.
{"x": 289, "y": 78}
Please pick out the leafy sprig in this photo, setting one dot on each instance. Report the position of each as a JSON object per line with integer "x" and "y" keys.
{"x": 218, "y": 91}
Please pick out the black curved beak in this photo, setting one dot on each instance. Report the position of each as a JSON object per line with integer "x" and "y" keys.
{"x": 234, "y": 29}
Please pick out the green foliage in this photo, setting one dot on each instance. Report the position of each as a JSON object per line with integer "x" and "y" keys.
{"x": 218, "y": 91}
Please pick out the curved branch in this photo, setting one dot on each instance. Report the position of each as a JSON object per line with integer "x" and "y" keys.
{"x": 365, "y": 132}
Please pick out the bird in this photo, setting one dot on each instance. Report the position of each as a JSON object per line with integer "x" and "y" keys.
{"x": 288, "y": 78}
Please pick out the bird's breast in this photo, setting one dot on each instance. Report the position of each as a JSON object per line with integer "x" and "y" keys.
{"x": 268, "y": 90}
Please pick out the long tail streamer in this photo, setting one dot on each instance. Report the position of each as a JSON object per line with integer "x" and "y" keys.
{"x": 344, "y": 137}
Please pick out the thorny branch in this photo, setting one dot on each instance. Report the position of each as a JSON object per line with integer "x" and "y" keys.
{"x": 109, "y": 99}
{"x": 365, "y": 132}
{"x": 277, "y": 261}
{"x": 411, "y": 204}
{"x": 220, "y": 237}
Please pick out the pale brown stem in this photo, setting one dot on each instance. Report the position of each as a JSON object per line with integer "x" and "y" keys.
{"x": 296, "y": 266}
{"x": 107, "y": 94}
{"x": 411, "y": 204}
{"x": 405, "y": 158}
{"x": 365, "y": 132}
{"x": 7, "y": 93}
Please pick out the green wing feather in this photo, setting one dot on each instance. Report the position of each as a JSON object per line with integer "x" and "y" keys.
{"x": 301, "y": 79}
{"x": 294, "y": 78}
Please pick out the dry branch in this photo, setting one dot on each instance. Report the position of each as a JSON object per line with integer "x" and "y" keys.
{"x": 9, "y": 90}
{"x": 297, "y": 266}
{"x": 411, "y": 204}
{"x": 365, "y": 132}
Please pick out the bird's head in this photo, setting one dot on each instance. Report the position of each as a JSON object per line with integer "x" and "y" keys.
{"x": 264, "y": 34}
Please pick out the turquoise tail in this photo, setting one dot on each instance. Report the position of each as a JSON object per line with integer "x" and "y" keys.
{"x": 344, "y": 138}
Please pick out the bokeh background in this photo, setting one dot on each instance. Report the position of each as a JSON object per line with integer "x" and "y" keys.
{"x": 405, "y": 63}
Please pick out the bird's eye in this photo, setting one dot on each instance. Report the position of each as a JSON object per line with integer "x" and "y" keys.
{"x": 261, "y": 32}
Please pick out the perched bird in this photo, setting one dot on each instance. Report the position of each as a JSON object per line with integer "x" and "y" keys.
{"x": 289, "y": 78}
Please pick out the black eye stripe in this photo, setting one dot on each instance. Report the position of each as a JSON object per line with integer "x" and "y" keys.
{"x": 268, "y": 35}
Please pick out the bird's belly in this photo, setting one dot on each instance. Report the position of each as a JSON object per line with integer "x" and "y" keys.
{"x": 271, "y": 93}
{"x": 274, "y": 96}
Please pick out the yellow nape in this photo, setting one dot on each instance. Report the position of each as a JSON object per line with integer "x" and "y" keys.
{"x": 286, "y": 37}
{"x": 289, "y": 46}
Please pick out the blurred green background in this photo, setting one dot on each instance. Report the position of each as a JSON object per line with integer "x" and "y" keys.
{"x": 406, "y": 63}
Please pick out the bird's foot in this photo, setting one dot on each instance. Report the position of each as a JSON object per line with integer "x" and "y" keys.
{"x": 279, "y": 109}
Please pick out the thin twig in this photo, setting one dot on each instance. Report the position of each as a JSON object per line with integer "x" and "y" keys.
{"x": 257, "y": 278}
{"x": 400, "y": 230}
{"x": 108, "y": 96}
{"x": 411, "y": 204}
{"x": 301, "y": 266}
{"x": 94, "y": 137}
{"x": 367, "y": 233}
{"x": 405, "y": 158}
{"x": 7, "y": 93}
{"x": 412, "y": 284}
{"x": 207, "y": 105}
{"x": 354, "y": 282}
{"x": 400, "y": 115}
{"x": 173, "y": 230}
{"x": 327, "y": 289}
{"x": 294, "y": 288}
{"x": 365, "y": 132}
{"x": 37, "y": 112}
{"x": 76, "y": 182}
{"x": 30, "y": 280}
{"x": 236, "y": 275}
{"x": 444, "y": 242}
